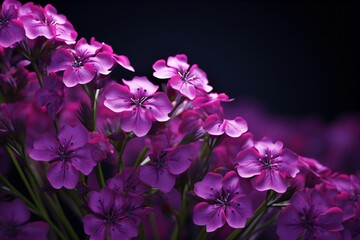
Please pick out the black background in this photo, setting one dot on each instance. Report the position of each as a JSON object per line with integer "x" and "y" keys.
{"x": 298, "y": 58}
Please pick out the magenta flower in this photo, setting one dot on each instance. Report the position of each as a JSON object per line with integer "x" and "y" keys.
{"x": 69, "y": 154}
{"x": 216, "y": 125}
{"x": 112, "y": 216}
{"x": 51, "y": 95}
{"x": 46, "y": 22}
{"x": 14, "y": 216}
{"x": 11, "y": 29}
{"x": 226, "y": 201}
{"x": 119, "y": 59}
{"x": 182, "y": 79}
{"x": 310, "y": 217}
{"x": 139, "y": 104}
{"x": 81, "y": 64}
{"x": 165, "y": 165}
{"x": 269, "y": 163}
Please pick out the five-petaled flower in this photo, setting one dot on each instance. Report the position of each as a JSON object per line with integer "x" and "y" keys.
{"x": 310, "y": 217}
{"x": 226, "y": 201}
{"x": 11, "y": 29}
{"x": 69, "y": 154}
{"x": 80, "y": 64}
{"x": 269, "y": 164}
{"x": 183, "y": 78}
{"x": 139, "y": 104}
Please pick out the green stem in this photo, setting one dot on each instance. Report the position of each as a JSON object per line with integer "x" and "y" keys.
{"x": 120, "y": 152}
{"x": 141, "y": 156}
{"x": 41, "y": 209}
{"x": 100, "y": 175}
{"x": 56, "y": 205}
{"x": 154, "y": 226}
{"x": 17, "y": 193}
{"x": 180, "y": 216}
{"x": 262, "y": 227}
{"x": 38, "y": 75}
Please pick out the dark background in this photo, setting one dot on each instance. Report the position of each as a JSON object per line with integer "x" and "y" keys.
{"x": 298, "y": 58}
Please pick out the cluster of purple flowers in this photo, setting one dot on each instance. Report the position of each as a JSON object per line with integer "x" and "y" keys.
{"x": 118, "y": 155}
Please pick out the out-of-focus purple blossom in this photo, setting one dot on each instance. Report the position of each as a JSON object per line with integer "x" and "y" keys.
{"x": 269, "y": 163}
{"x": 102, "y": 148}
{"x": 80, "y": 64}
{"x": 113, "y": 216}
{"x": 13, "y": 75}
{"x": 166, "y": 164}
{"x": 51, "y": 95}
{"x": 310, "y": 217}
{"x": 46, "y": 22}
{"x": 183, "y": 78}
{"x": 216, "y": 125}
{"x": 68, "y": 153}
{"x": 226, "y": 200}
{"x": 11, "y": 29}
{"x": 14, "y": 217}
{"x": 127, "y": 181}
{"x": 139, "y": 104}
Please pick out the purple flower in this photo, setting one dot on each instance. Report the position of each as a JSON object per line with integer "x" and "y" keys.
{"x": 182, "y": 78}
{"x": 269, "y": 163}
{"x": 226, "y": 201}
{"x": 165, "y": 165}
{"x": 139, "y": 104}
{"x": 11, "y": 29}
{"x": 51, "y": 95}
{"x": 126, "y": 182}
{"x": 81, "y": 64}
{"x": 14, "y": 216}
{"x": 115, "y": 217}
{"x": 216, "y": 125}
{"x": 69, "y": 154}
{"x": 119, "y": 59}
{"x": 46, "y": 22}
{"x": 309, "y": 217}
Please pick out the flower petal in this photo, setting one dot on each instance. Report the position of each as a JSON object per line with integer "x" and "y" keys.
{"x": 14, "y": 212}
{"x": 238, "y": 212}
{"x": 77, "y": 136}
{"x": 61, "y": 59}
{"x": 44, "y": 149}
{"x": 234, "y": 128}
{"x": 136, "y": 121}
{"x": 159, "y": 106}
{"x": 211, "y": 184}
{"x": 37, "y": 230}
{"x": 101, "y": 202}
{"x": 12, "y": 33}
{"x": 248, "y": 164}
{"x": 123, "y": 61}
{"x": 210, "y": 215}
{"x": 75, "y": 75}
{"x": 94, "y": 227}
{"x": 62, "y": 174}
{"x": 270, "y": 179}
{"x": 158, "y": 178}
{"x": 178, "y": 62}
{"x": 162, "y": 71}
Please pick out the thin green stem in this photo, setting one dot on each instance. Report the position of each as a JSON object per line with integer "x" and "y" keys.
{"x": 141, "y": 156}
{"x": 17, "y": 193}
{"x": 100, "y": 175}
{"x": 120, "y": 152}
{"x": 37, "y": 72}
{"x": 154, "y": 226}
{"x": 180, "y": 216}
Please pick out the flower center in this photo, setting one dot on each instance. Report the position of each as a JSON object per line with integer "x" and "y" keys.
{"x": 185, "y": 76}
{"x": 78, "y": 62}
{"x": 268, "y": 161}
{"x": 139, "y": 102}
{"x": 63, "y": 152}
{"x": 3, "y": 22}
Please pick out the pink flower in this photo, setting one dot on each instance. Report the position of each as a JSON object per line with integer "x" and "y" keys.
{"x": 139, "y": 104}
{"x": 11, "y": 29}
{"x": 225, "y": 201}
{"x": 216, "y": 125}
{"x": 182, "y": 78}
{"x": 269, "y": 164}
{"x": 46, "y": 22}
{"x": 80, "y": 64}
